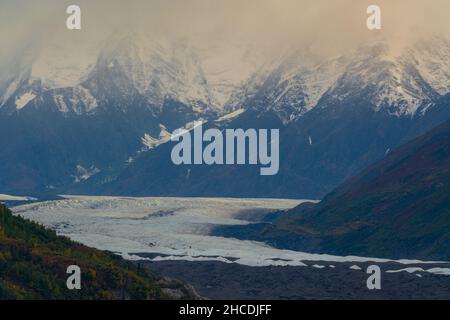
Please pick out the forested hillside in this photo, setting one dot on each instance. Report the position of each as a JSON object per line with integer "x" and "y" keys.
{"x": 34, "y": 260}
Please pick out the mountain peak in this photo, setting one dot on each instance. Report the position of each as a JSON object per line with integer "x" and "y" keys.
{"x": 400, "y": 83}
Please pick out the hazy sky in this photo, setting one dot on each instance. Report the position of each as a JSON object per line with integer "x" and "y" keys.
{"x": 330, "y": 25}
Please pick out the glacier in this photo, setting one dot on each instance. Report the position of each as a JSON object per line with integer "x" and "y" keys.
{"x": 174, "y": 229}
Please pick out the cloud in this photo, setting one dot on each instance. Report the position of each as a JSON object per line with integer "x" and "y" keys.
{"x": 331, "y": 25}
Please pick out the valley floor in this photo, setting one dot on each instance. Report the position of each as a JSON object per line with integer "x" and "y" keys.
{"x": 174, "y": 236}
{"x": 217, "y": 280}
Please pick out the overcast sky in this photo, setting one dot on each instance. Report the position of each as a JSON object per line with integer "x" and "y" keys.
{"x": 331, "y": 25}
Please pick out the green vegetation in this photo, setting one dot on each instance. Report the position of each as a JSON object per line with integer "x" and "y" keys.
{"x": 399, "y": 207}
{"x": 34, "y": 260}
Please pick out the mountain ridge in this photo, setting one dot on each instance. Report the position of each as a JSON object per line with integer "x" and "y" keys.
{"x": 132, "y": 90}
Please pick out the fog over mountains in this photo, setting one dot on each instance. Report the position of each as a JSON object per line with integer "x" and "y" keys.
{"x": 84, "y": 124}
{"x": 227, "y": 75}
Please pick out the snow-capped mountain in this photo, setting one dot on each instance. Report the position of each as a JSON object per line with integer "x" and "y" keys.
{"x": 292, "y": 84}
{"x": 125, "y": 68}
{"x": 111, "y": 108}
{"x": 391, "y": 83}
{"x": 64, "y": 108}
{"x": 399, "y": 83}
{"x": 335, "y": 115}
{"x": 227, "y": 76}
{"x": 156, "y": 69}
{"x": 14, "y": 73}
{"x": 39, "y": 68}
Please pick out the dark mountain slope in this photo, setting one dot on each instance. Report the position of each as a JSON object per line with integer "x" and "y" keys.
{"x": 318, "y": 152}
{"x": 397, "y": 208}
{"x": 34, "y": 260}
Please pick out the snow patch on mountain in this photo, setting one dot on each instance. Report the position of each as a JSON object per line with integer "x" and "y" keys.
{"x": 165, "y": 136}
{"x": 84, "y": 174}
{"x": 82, "y": 101}
{"x": 60, "y": 103}
{"x": 151, "y": 142}
{"x": 230, "y": 115}
{"x": 23, "y": 100}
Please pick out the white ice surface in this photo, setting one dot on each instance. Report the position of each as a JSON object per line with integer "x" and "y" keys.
{"x": 171, "y": 228}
